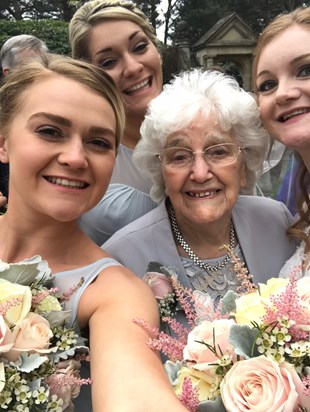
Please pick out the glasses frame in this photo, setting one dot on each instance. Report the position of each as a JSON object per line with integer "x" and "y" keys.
{"x": 207, "y": 161}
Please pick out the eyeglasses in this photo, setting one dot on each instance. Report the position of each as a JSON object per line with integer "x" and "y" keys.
{"x": 218, "y": 155}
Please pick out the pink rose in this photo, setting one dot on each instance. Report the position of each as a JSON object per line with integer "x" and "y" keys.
{"x": 60, "y": 384}
{"x": 32, "y": 334}
{"x": 260, "y": 384}
{"x": 159, "y": 283}
{"x": 206, "y": 331}
{"x": 6, "y": 338}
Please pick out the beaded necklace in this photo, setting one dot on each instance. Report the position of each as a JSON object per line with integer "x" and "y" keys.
{"x": 189, "y": 251}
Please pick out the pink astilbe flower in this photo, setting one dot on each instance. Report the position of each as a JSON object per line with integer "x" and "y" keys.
{"x": 180, "y": 330}
{"x": 186, "y": 299}
{"x": 67, "y": 295}
{"x": 167, "y": 345}
{"x": 189, "y": 395}
{"x": 244, "y": 277}
{"x": 42, "y": 295}
{"x": 288, "y": 305}
{"x": 57, "y": 381}
{"x": 153, "y": 331}
{"x": 4, "y": 307}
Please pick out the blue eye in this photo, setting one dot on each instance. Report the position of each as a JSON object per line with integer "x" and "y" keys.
{"x": 100, "y": 145}
{"x": 304, "y": 71}
{"x": 107, "y": 64}
{"x": 49, "y": 132}
{"x": 267, "y": 85}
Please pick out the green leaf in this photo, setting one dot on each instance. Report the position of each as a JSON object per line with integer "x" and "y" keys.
{"x": 228, "y": 302}
{"x": 243, "y": 339}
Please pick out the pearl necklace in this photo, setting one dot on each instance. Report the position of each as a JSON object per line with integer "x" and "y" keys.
{"x": 189, "y": 251}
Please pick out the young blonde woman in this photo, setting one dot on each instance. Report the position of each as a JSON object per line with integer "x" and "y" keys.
{"x": 282, "y": 82}
{"x": 60, "y": 165}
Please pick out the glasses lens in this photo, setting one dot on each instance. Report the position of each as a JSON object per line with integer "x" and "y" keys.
{"x": 222, "y": 154}
{"x": 177, "y": 157}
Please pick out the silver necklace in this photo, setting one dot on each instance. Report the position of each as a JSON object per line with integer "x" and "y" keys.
{"x": 189, "y": 251}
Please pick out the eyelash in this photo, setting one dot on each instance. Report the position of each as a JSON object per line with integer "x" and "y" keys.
{"x": 97, "y": 144}
{"x": 264, "y": 86}
{"x": 140, "y": 48}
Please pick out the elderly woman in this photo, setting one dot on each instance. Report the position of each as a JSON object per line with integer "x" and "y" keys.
{"x": 202, "y": 142}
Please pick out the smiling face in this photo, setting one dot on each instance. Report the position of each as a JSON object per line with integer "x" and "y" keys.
{"x": 124, "y": 51}
{"x": 203, "y": 194}
{"x": 61, "y": 148}
{"x": 283, "y": 83}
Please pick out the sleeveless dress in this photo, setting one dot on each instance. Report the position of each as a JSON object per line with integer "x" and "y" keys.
{"x": 66, "y": 280}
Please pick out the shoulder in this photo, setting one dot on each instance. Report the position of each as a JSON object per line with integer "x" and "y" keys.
{"x": 266, "y": 210}
{"x": 145, "y": 223}
{"x": 259, "y": 203}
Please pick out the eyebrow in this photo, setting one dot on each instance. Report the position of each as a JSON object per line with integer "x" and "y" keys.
{"x": 53, "y": 117}
{"x": 62, "y": 120}
{"x": 108, "y": 49}
{"x": 291, "y": 63}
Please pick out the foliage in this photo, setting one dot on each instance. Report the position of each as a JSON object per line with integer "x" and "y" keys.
{"x": 36, "y": 9}
{"x": 53, "y": 32}
{"x": 201, "y": 15}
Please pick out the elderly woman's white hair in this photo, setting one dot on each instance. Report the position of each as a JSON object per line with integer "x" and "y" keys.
{"x": 200, "y": 92}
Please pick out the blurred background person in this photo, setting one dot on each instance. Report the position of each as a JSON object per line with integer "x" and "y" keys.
{"x": 16, "y": 50}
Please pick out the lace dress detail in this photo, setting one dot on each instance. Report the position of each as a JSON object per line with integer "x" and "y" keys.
{"x": 216, "y": 283}
{"x": 296, "y": 264}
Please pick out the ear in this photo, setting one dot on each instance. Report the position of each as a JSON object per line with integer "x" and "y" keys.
{"x": 4, "y": 158}
{"x": 5, "y": 71}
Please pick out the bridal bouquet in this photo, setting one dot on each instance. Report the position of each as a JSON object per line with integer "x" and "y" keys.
{"x": 39, "y": 353}
{"x": 251, "y": 353}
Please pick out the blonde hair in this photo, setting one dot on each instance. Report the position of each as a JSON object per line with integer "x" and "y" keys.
{"x": 85, "y": 73}
{"x": 98, "y": 11}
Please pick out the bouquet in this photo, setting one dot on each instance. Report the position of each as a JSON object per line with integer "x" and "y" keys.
{"x": 40, "y": 353}
{"x": 250, "y": 353}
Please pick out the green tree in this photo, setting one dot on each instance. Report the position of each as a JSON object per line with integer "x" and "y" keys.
{"x": 36, "y": 9}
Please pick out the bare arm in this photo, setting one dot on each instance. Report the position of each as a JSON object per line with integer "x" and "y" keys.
{"x": 128, "y": 376}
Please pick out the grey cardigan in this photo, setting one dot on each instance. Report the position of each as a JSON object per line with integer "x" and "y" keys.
{"x": 260, "y": 224}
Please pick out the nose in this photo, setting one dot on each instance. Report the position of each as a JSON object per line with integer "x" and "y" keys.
{"x": 200, "y": 170}
{"x": 132, "y": 66}
{"x": 73, "y": 154}
{"x": 287, "y": 90}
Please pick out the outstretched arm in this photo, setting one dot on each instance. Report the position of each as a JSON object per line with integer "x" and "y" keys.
{"x": 127, "y": 375}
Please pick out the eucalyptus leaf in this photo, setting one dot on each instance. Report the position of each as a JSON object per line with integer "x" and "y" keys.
{"x": 24, "y": 272}
{"x": 172, "y": 369}
{"x": 28, "y": 363}
{"x": 228, "y": 302}
{"x": 57, "y": 317}
{"x": 212, "y": 406}
{"x": 243, "y": 339}
{"x": 64, "y": 355}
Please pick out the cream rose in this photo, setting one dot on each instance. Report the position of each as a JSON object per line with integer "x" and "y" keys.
{"x": 68, "y": 369}
{"x": 199, "y": 380}
{"x": 32, "y": 334}
{"x": 159, "y": 283}
{"x": 48, "y": 304}
{"x": 6, "y": 337}
{"x": 10, "y": 291}
{"x": 249, "y": 308}
{"x": 260, "y": 384}
{"x": 274, "y": 286}
{"x": 206, "y": 331}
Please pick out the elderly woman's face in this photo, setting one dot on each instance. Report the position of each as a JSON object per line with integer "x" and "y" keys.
{"x": 206, "y": 190}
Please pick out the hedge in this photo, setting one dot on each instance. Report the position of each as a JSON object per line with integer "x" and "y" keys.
{"x": 53, "y": 32}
